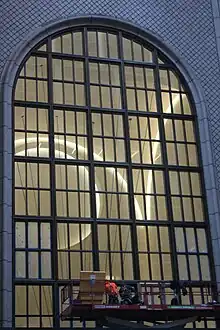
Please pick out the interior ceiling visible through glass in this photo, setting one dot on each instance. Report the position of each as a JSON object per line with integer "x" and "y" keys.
{"x": 106, "y": 168}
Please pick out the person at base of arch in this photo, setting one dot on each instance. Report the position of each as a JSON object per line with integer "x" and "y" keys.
{"x": 111, "y": 290}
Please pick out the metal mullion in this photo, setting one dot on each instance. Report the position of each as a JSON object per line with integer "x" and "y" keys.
{"x": 67, "y": 56}
{"x": 107, "y": 111}
{"x": 73, "y": 107}
{"x": 103, "y": 135}
{"x": 138, "y": 63}
{"x": 122, "y": 253}
{"x": 104, "y": 60}
{"x": 27, "y": 304}
{"x": 148, "y": 251}
{"x": 118, "y": 194}
{"x": 97, "y": 43}
{"x": 146, "y": 87}
{"x": 150, "y": 140}
{"x": 170, "y": 91}
{"x": 191, "y": 196}
{"x": 34, "y": 281}
{"x": 78, "y": 192}
{"x": 139, "y": 137}
{"x": 186, "y": 254}
{"x": 184, "y": 117}
{"x": 38, "y": 189}
{"x": 109, "y": 253}
{"x": 40, "y": 303}
{"x": 136, "y": 268}
{"x": 25, "y": 219}
{"x": 74, "y": 81}
{"x": 160, "y": 253}
{"x": 99, "y": 85}
{"x": 76, "y": 136}
{"x": 155, "y": 195}
{"x": 115, "y": 221}
{"x": 107, "y": 44}
{"x": 174, "y": 261}
{"x": 116, "y": 170}
{"x": 152, "y": 163}
{"x": 36, "y": 78}
{"x": 181, "y": 197}
{"x": 26, "y": 251}
{"x": 106, "y": 191}
{"x": 135, "y": 85}
{"x": 113, "y": 137}
{"x": 90, "y": 153}
{"x": 38, "y": 223}
{"x": 80, "y": 243}
{"x": 62, "y": 81}
{"x": 54, "y": 251}
{"x": 25, "y": 189}
{"x": 144, "y": 193}
{"x": 174, "y": 142}
{"x": 198, "y": 254}
{"x": 31, "y": 104}
{"x": 64, "y": 135}
{"x": 110, "y": 84}
{"x": 31, "y": 159}
{"x": 32, "y": 78}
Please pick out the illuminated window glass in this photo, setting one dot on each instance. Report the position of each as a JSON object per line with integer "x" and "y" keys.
{"x": 106, "y": 169}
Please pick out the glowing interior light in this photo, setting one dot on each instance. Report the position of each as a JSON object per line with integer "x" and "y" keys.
{"x": 154, "y": 151}
{"x": 44, "y": 151}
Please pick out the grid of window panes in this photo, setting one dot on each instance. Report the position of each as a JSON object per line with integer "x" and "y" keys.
{"x": 106, "y": 169}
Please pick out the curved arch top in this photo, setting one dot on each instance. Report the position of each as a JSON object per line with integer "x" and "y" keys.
{"x": 36, "y": 36}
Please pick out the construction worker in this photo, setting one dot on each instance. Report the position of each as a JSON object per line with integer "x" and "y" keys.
{"x": 111, "y": 290}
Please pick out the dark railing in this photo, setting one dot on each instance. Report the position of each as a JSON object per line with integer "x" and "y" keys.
{"x": 149, "y": 292}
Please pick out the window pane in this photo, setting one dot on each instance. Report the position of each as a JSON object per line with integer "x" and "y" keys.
{"x": 102, "y": 122}
{"x": 183, "y": 274}
{"x": 193, "y": 265}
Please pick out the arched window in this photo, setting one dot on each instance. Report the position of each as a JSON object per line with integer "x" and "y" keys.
{"x": 107, "y": 174}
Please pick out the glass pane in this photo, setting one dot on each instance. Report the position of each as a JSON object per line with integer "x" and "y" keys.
{"x": 152, "y": 103}
{"x": 201, "y": 236}
{"x": 176, "y": 206}
{"x": 149, "y": 74}
{"x": 67, "y": 43}
{"x": 92, "y": 43}
{"x": 155, "y": 267}
{"x": 191, "y": 243}
{"x": 153, "y": 239}
{"x": 137, "y": 52}
{"x": 185, "y": 183}
{"x": 195, "y": 183}
{"x": 113, "y": 45}
{"x": 167, "y": 269}
{"x": 183, "y": 274}
{"x": 77, "y": 43}
{"x": 193, "y": 266}
{"x": 102, "y": 44}
{"x": 180, "y": 240}
{"x": 164, "y": 239}
{"x": 198, "y": 209}
{"x": 127, "y": 49}
{"x": 204, "y": 263}
{"x": 144, "y": 266}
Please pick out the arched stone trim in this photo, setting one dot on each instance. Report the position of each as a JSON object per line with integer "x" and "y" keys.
{"x": 6, "y": 93}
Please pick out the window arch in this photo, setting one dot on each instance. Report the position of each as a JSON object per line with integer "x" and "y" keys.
{"x": 107, "y": 172}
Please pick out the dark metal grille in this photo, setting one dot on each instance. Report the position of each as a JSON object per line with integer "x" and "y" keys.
{"x": 106, "y": 169}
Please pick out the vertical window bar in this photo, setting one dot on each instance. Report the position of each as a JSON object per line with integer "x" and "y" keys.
{"x": 174, "y": 261}
{"x": 91, "y": 158}
{"x": 136, "y": 268}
